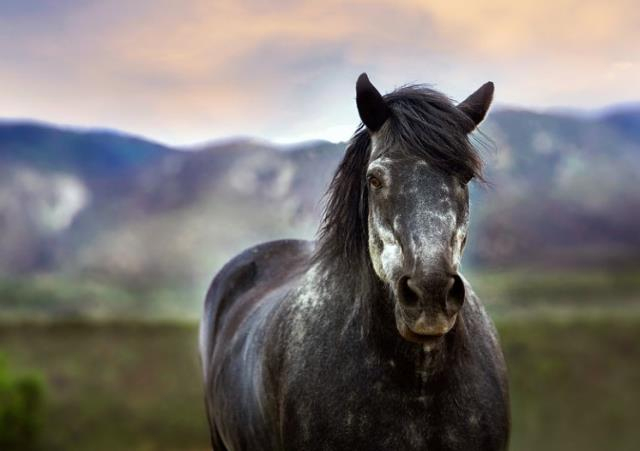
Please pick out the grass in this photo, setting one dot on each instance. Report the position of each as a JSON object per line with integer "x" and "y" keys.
{"x": 21, "y": 409}
{"x": 137, "y": 387}
{"x": 99, "y": 298}
{"x": 573, "y": 382}
{"x": 121, "y": 367}
{"x": 114, "y": 386}
{"x": 567, "y": 292}
{"x": 49, "y": 298}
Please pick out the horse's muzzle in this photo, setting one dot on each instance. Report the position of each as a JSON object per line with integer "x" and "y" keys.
{"x": 425, "y": 312}
{"x": 432, "y": 291}
{"x": 427, "y": 328}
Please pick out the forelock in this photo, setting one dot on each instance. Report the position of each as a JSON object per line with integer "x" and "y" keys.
{"x": 425, "y": 124}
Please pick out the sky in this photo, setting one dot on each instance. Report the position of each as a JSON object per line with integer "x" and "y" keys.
{"x": 188, "y": 71}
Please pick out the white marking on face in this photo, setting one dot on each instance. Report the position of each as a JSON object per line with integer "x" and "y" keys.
{"x": 391, "y": 256}
{"x": 384, "y": 249}
{"x": 457, "y": 246}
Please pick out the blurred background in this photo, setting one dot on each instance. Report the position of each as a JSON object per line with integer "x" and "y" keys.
{"x": 143, "y": 143}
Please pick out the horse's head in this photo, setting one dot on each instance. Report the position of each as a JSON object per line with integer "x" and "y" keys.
{"x": 417, "y": 196}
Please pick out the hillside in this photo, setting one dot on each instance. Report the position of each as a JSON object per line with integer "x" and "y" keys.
{"x": 123, "y": 211}
{"x": 564, "y": 191}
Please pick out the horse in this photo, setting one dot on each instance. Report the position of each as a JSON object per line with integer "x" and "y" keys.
{"x": 368, "y": 338}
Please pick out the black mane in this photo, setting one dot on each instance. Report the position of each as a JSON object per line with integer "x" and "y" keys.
{"x": 423, "y": 123}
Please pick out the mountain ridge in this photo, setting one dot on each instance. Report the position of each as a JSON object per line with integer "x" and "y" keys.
{"x": 93, "y": 201}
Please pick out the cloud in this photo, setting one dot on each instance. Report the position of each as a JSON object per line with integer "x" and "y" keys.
{"x": 191, "y": 70}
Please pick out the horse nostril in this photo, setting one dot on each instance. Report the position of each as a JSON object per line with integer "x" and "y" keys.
{"x": 455, "y": 296}
{"x": 407, "y": 291}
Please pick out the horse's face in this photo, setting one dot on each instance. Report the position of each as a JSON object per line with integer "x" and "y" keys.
{"x": 418, "y": 220}
{"x": 418, "y": 217}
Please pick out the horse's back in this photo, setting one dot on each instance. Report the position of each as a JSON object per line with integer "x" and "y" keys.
{"x": 243, "y": 282}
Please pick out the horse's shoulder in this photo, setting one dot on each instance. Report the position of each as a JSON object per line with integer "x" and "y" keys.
{"x": 242, "y": 271}
{"x": 278, "y": 250}
{"x": 257, "y": 269}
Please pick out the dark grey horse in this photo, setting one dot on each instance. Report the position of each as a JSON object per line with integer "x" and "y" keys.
{"x": 369, "y": 338}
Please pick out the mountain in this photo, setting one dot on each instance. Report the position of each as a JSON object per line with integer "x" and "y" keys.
{"x": 89, "y": 154}
{"x": 563, "y": 192}
{"x": 126, "y": 209}
{"x": 625, "y": 119}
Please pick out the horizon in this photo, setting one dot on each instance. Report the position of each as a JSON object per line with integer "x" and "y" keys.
{"x": 629, "y": 106}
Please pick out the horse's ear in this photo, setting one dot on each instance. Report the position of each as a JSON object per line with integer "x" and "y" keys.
{"x": 475, "y": 106}
{"x": 371, "y": 106}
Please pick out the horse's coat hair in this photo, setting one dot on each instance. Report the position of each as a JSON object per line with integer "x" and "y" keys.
{"x": 310, "y": 346}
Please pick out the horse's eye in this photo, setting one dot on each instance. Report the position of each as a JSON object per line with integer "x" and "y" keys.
{"x": 374, "y": 182}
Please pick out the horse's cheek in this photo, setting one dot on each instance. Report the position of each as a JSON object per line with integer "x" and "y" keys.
{"x": 385, "y": 251}
{"x": 391, "y": 259}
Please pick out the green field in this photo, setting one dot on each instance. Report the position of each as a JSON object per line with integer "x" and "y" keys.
{"x": 507, "y": 292}
{"x": 120, "y": 376}
{"x": 574, "y": 383}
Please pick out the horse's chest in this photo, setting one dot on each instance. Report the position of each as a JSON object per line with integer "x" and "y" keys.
{"x": 374, "y": 413}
